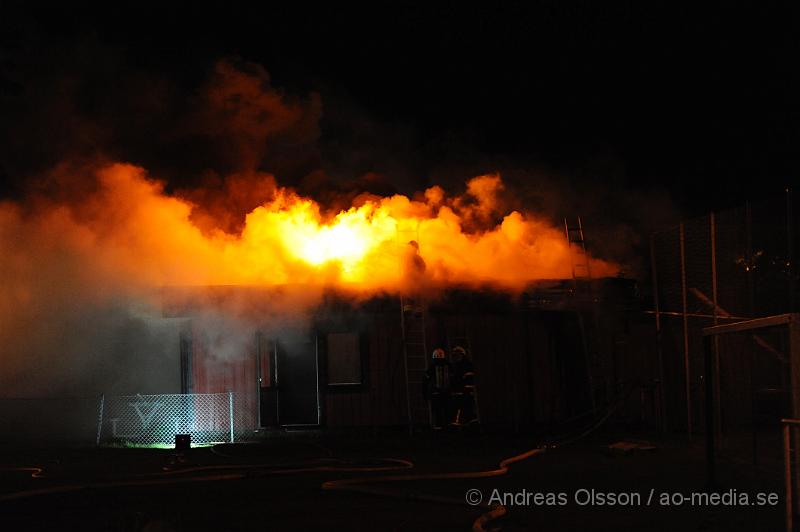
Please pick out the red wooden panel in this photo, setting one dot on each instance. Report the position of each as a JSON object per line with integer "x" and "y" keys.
{"x": 214, "y": 373}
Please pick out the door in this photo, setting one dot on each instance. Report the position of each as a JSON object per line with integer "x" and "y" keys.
{"x": 297, "y": 382}
{"x": 266, "y": 383}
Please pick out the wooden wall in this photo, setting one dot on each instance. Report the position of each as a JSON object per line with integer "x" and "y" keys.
{"x": 381, "y": 400}
{"x": 530, "y": 370}
{"x": 531, "y": 366}
{"x": 213, "y": 372}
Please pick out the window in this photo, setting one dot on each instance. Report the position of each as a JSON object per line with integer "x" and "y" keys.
{"x": 344, "y": 359}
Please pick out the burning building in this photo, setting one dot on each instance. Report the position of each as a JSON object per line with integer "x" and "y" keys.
{"x": 544, "y": 357}
{"x": 313, "y": 316}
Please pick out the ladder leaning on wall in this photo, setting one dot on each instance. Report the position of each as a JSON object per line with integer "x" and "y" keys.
{"x": 415, "y": 348}
{"x": 579, "y": 259}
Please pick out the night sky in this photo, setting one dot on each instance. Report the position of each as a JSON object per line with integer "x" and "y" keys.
{"x": 702, "y": 105}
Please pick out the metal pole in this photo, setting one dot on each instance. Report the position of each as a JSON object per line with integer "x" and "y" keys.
{"x": 659, "y": 351}
{"x": 687, "y": 369}
{"x": 753, "y": 406}
{"x": 711, "y": 465}
{"x": 787, "y": 476}
{"x": 748, "y": 226}
{"x": 230, "y": 411}
{"x": 713, "y": 228}
{"x": 790, "y": 248}
{"x": 748, "y": 221}
{"x": 100, "y": 418}
{"x": 717, "y": 401}
{"x": 794, "y": 368}
{"x": 258, "y": 380}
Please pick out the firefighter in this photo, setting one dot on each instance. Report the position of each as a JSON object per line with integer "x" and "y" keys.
{"x": 414, "y": 263}
{"x": 462, "y": 382}
{"x": 413, "y": 278}
{"x": 436, "y": 388}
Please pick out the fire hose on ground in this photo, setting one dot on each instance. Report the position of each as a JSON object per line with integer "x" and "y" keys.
{"x": 353, "y": 484}
{"x": 495, "y": 512}
{"x": 357, "y": 485}
{"x": 173, "y": 475}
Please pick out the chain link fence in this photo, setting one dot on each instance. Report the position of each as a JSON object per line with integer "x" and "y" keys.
{"x": 129, "y": 420}
{"x": 156, "y": 419}
{"x": 719, "y": 268}
{"x": 753, "y": 382}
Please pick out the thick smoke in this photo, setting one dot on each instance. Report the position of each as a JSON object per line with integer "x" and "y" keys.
{"x": 89, "y": 265}
{"x": 129, "y": 181}
{"x": 72, "y": 323}
{"x": 86, "y": 243}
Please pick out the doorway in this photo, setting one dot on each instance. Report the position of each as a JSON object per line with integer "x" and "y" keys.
{"x": 288, "y": 381}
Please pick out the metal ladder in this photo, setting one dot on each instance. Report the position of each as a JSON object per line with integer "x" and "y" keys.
{"x": 415, "y": 345}
{"x": 415, "y": 356}
{"x": 579, "y": 259}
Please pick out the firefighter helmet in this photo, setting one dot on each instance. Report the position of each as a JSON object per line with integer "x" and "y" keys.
{"x": 460, "y": 351}
{"x": 439, "y": 353}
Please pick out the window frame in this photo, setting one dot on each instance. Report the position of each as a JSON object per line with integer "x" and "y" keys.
{"x": 363, "y": 355}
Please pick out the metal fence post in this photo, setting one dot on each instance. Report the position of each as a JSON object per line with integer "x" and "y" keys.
{"x": 717, "y": 399}
{"x": 794, "y": 368}
{"x": 711, "y": 472}
{"x": 749, "y": 262}
{"x": 787, "y": 475}
{"x": 100, "y": 418}
{"x": 659, "y": 349}
{"x": 230, "y": 411}
{"x": 687, "y": 369}
{"x": 790, "y": 248}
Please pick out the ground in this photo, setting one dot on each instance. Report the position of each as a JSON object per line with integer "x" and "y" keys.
{"x": 274, "y": 495}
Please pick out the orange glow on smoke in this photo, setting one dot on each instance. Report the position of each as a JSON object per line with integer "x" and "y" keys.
{"x": 131, "y": 227}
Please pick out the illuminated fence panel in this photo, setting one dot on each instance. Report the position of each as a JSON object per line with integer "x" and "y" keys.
{"x": 156, "y": 419}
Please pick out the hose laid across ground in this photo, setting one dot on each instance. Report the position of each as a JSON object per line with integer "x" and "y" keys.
{"x": 36, "y": 472}
{"x": 497, "y": 511}
{"x": 357, "y": 485}
{"x": 172, "y": 478}
{"x": 352, "y": 484}
{"x": 302, "y": 467}
{"x": 348, "y": 483}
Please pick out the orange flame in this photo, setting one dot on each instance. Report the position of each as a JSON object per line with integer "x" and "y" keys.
{"x": 131, "y": 227}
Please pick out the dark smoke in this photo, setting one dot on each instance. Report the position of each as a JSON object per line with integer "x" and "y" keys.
{"x": 221, "y": 135}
